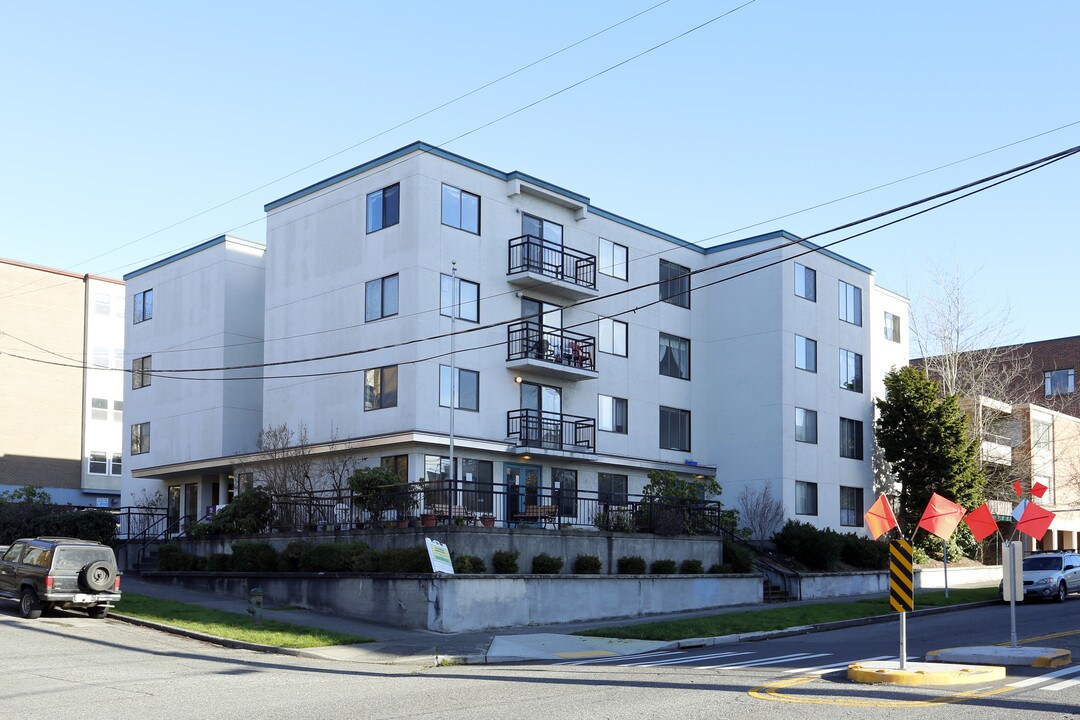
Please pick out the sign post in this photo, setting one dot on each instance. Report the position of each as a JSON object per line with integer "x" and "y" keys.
{"x": 1012, "y": 583}
{"x": 901, "y": 589}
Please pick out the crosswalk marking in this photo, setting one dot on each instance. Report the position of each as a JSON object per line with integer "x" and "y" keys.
{"x": 1061, "y": 685}
{"x": 766, "y": 661}
{"x": 1027, "y": 682}
{"x": 822, "y": 669}
{"x": 688, "y": 659}
{"x": 621, "y": 658}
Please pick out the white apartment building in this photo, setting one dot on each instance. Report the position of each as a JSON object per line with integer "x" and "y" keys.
{"x": 588, "y": 349}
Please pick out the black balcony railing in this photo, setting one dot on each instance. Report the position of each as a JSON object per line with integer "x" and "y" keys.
{"x": 530, "y": 339}
{"x": 552, "y": 431}
{"x": 529, "y": 253}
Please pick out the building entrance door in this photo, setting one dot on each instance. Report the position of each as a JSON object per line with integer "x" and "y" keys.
{"x": 522, "y": 489}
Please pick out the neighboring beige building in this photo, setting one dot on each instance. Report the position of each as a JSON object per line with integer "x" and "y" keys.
{"x": 61, "y": 360}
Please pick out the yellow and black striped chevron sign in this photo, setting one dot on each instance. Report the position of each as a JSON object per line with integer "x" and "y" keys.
{"x": 901, "y": 577}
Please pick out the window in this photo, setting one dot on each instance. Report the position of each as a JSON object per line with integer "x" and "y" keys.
{"x": 805, "y": 425}
{"x": 564, "y": 482}
{"x": 892, "y": 327}
{"x": 381, "y": 298}
{"x": 468, "y": 299}
{"x": 611, "y": 414}
{"x": 1059, "y": 382}
{"x": 466, "y": 389}
{"x": 117, "y": 463}
{"x": 477, "y": 487}
{"x": 142, "y": 306}
{"x": 674, "y": 284}
{"x": 674, "y": 429}
{"x": 140, "y": 438}
{"x": 99, "y": 409}
{"x": 1042, "y": 438}
{"x": 101, "y": 356}
{"x": 850, "y": 371}
{"x": 674, "y": 356}
{"x": 436, "y": 475}
{"x": 611, "y": 489}
{"x": 397, "y": 464}
{"x": 118, "y": 410}
{"x": 98, "y": 463}
{"x": 851, "y": 439}
{"x": 102, "y": 303}
{"x": 460, "y": 209}
{"x": 140, "y": 372}
{"x": 806, "y": 282}
{"x": 380, "y": 388}
{"x": 850, "y": 303}
{"x": 851, "y": 506}
{"x": 805, "y": 498}
{"x": 382, "y": 208}
{"x": 613, "y": 259}
{"x": 612, "y": 336}
{"x": 805, "y": 353}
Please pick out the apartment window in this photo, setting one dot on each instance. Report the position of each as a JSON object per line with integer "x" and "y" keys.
{"x": 892, "y": 327}
{"x": 851, "y": 439}
{"x": 805, "y": 353}
{"x": 612, "y": 336}
{"x": 100, "y": 356}
{"x": 674, "y": 284}
{"x": 1042, "y": 438}
{"x": 468, "y": 299}
{"x": 102, "y": 303}
{"x": 806, "y": 282}
{"x": 851, "y": 506}
{"x": 460, "y": 209}
{"x": 565, "y": 485}
{"x": 397, "y": 464}
{"x": 478, "y": 484}
{"x": 674, "y": 356}
{"x": 805, "y": 425}
{"x": 674, "y": 429}
{"x": 382, "y": 208}
{"x": 436, "y": 475}
{"x": 118, "y": 410}
{"x": 118, "y": 358}
{"x": 851, "y": 371}
{"x": 466, "y": 389}
{"x": 140, "y": 438}
{"x": 142, "y": 306}
{"x": 613, "y": 259}
{"x": 850, "y": 303}
{"x": 380, "y": 387}
{"x": 611, "y": 489}
{"x": 117, "y": 463}
{"x": 381, "y": 298}
{"x": 1059, "y": 382}
{"x": 140, "y": 372}
{"x": 98, "y": 463}
{"x": 805, "y": 498}
{"x": 611, "y": 414}
{"x": 99, "y": 409}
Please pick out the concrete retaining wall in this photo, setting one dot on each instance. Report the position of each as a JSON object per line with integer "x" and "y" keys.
{"x": 476, "y": 602}
{"x": 827, "y": 585}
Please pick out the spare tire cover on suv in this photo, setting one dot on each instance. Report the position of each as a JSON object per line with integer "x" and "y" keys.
{"x": 97, "y": 576}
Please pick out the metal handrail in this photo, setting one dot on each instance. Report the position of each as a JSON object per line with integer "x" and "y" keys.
{"x": 530, "y": 339}
{"x": 552, "y": 431}
{"x": 528, "y": 253}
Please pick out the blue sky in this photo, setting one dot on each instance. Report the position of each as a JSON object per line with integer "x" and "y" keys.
{"x": 122, "y": 119}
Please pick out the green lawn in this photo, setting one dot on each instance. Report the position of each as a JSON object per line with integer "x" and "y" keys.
{"x": 781, "y": 617}
{"x": 233, "y": 626}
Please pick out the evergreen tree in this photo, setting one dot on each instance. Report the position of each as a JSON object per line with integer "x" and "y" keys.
{"x": 924, "y": 435}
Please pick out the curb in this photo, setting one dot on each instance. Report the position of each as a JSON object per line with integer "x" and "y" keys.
{"x": 214, "y": 639}
{"x": 1050, "y": 658}
{"x": 924, "y": 674}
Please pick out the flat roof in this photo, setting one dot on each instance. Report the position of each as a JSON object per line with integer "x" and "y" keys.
{"x": 55, "y": 271}
{"x": 192, "y": 250}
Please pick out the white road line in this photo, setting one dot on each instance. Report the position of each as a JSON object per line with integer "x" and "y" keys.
{"x": 618, "y": 658}
{"x": 822, "y": 669}
{"x": 687, "y": 659}
{"x": 766, "y": 661}
{"x": 1061, "y": 685}
{"x": 1027, "y": 682}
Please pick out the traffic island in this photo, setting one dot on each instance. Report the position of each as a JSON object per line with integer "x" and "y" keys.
{"x": 923, "y": 673}
{"x": 998, "y": 655}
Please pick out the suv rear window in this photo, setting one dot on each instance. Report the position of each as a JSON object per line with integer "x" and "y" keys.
{"x": 74, "y": 558}
{"x": 38, "y": 556}
{"x": 1042, "y": 563}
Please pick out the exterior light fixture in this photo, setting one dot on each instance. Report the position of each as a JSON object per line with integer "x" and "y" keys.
{"x": 518, "y": 379}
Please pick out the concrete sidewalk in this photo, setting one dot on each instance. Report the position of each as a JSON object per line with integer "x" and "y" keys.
{"x": 422, "y": 647}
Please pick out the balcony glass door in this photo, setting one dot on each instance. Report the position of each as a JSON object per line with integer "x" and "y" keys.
{"x": 545, "y": 323}
{"x": 544, "y": 246}
{"x": 543, "y": 426}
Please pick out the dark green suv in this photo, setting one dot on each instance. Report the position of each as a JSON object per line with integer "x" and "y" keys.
{"x": 49, "y": 572}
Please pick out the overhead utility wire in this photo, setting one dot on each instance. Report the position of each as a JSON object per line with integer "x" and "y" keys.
{"x": 1001, "y": 177}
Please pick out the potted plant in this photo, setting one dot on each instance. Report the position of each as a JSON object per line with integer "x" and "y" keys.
{"x": 406, "y": 500}
{"x": 487, "y": 520}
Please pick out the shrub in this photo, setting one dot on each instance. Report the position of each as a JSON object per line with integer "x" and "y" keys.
{"x": 377, "y": 490}
{"x": 289, "y": 559}
{"x": 862, "y": 552}
{"x": 817, "y": 549}
{"x": 469, "y": 565}
{"x": 919, "y": 555}
{"x": 331, "y": 557}
{"x": 663, "y": 567}
{"x": 614, "y": 520}
{"x": 248, "y": 513}
{"x": 631, "y": 565}
{"x": 738, "y": 558}
{"x": 718, "y": 569}
{"x": 219, "y": 562}
{"x": 172, "y": 558}
{"x": 98, "y": 525}
{"x": 403, "y": 560}
{"x": 252, "y": 556}
{"x": 587, "y": 565}
{"x": 691, "y": 567}
{"x": 544, "y": 564}
{"x": 505, "y": 562}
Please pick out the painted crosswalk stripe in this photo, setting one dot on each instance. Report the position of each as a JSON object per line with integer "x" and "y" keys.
{"x": 767, "y": 661}
{"x": 1062, "y": 685}
{"x": 1027, "y": 682}
{"x": 687, "y": 659}
{"x": 620, "y": 658}
{"x": 822, "y": 669}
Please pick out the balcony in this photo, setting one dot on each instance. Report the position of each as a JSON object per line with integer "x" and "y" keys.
{"x": 534, "y": 262}
{"x": 551, "y": 432}
{"x": 996, "y": 449}
{"x": 549, "y": 351}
